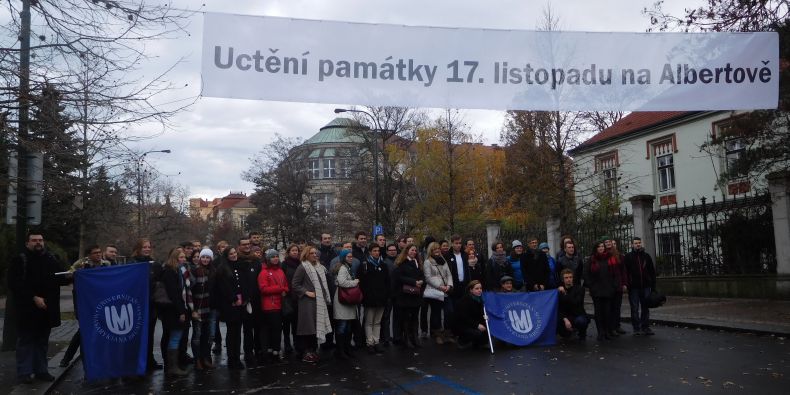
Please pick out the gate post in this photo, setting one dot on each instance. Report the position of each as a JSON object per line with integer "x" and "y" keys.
{"x": 553, "y": 234}
{"x": 493, "y": 228}
{"x": 642, "y": 207}
{"x": 779, "y": 186}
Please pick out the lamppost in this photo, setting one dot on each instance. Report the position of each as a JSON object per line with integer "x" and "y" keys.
{"x": 375, "y": 154}
{"x": 140, "y": 188}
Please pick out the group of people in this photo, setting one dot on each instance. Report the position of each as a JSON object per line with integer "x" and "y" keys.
{"x": 362, "y": 296}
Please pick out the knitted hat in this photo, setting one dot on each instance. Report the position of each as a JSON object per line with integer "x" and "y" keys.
{"x": 272, "y": 253}
{"x": 343, "y": 254}
{"x": 207, "y": 252}
{"x": 543, "y": 245}
{"x": 517, "y": 243}
{"x": 505, "y": 279}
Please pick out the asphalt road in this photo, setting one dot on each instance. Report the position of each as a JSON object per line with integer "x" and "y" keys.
{"x": 675, "y": 361}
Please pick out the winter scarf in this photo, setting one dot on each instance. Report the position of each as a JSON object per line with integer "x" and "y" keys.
{"x": 499, "y": 258}
{"x": 318, "y": 278}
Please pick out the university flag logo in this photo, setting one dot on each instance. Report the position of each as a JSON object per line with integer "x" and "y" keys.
{"x": 523, "y": 318}
{"x": 112, "y": 309}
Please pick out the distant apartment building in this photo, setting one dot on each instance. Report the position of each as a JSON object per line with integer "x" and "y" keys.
{"x": 235, "y": 207}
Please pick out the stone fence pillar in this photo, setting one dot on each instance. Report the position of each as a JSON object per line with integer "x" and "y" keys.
{"x": 779, "y": 186}
{"x": 553, "y": 234}
{"x": 493, "y": 227}
{"x": 642, "y": 207}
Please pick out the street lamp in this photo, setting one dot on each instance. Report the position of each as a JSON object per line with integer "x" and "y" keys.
{"x": 140, "y": 188}
{"x": 375, "y": 155}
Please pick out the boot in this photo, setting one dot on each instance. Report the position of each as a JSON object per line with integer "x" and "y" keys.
{"x": 207, "y": 363}
{"x": 437, "y": 337}
{"x": 340, "y": 346}
{"x": 198, "y": 364}
{"x": 415, "y": 340}
{"x": 406, "y": 341}
{"x": 448, "y": 337}
{"x": 347, "y": 345}
{"x": 172, "y": 364}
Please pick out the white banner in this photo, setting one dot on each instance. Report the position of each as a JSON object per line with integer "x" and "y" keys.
{"x": 268, "y": 58}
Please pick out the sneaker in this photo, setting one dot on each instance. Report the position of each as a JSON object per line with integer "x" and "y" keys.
{"x": 45, "y": 377}
{"x": 424, "y": 335}
{"x": 637, "y": 332}
{"x": 648, "y": 332}
{"x": 310, "y": 357}
{"x": 378, "y": 349}
{"x": 620, "y": 330}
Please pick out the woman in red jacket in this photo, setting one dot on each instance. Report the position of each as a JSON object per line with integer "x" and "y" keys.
{"x": 273, "y": 286}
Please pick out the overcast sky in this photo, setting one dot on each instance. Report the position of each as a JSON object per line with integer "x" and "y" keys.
{"x": 214, "y": 140}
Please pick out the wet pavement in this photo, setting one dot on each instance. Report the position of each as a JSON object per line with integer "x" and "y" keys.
{"x": 676, "y": 360}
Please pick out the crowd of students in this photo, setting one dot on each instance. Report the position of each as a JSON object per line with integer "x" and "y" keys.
{"x": 366, "y": 296}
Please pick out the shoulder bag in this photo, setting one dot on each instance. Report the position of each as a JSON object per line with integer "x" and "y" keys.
{"x": 433, "y": 293}
{"x": 351, "y": 295}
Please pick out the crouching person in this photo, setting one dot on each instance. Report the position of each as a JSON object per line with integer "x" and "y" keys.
{"x": 571, "y": 315}
{"x": 469, "y": 325}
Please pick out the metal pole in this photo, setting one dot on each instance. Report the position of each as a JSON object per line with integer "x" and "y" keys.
{"x": 22, "y": 131}
{"x": 488, "y": 330}
{"x": 139, "y": 199}
{"x": 706, "y": 257}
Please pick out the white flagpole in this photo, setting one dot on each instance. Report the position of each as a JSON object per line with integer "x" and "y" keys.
{"x": 488, "y": 330}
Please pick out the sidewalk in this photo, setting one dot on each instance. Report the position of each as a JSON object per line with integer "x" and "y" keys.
{"x": 764, "y": 317}
{"x": 760, "y": 316}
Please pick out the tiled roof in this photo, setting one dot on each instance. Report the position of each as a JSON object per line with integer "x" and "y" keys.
{"x": 631, "y": 123}
{"x": 337, "y": 131}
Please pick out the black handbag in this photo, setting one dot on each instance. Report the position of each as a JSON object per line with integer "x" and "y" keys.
{"x": 287, "y": 308}
{"x": 656, "y": 299}
{"x": 160, "y": 294}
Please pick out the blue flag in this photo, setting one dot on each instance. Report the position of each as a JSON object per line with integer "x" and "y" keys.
{"x": 523, "y": 318}
{"x": 112, "y": 308}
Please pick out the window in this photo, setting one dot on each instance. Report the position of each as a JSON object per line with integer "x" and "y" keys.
{"x": 606, "y": 165}
{"x": 329, "y": 168}
{"x": 324, "y": 203}
{"x": 313, "y": 171}
{"x": 734, "y": 150}
{"x": 665, "y": 169}
{"x": 669, "y": 251}
{"x": 345, "y": 168}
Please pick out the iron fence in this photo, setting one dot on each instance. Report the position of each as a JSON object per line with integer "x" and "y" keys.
{"x": 522, "y": 234}
{"x": 733, "y": 236}
{"x": 587, "y": 230}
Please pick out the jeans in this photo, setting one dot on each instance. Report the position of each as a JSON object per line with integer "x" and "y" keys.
{"x": 603, "y": 309}
{"x": 233, "y": 342}
{"x": 616, "y": 309}
{"x": 437, "y": 306}
{"x": 386, "y": 332}
{"x": 201, "y": 335}
{"x": 272, "y": 328}
{"x": 638, "y": 298}
{"x": 373, "y": 324}
{"x": 175, "y": 338}
{"x": 31, "y": 351}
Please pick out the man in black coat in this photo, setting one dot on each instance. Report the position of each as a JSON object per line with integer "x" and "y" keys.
{"x": 571, "y": 316}
{"x": 641, "y": 280}
{"x": 457, "y": 262}
{"x": 36, "y": 288}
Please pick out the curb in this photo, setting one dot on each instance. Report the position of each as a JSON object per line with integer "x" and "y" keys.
{"x": 714, "y": 327}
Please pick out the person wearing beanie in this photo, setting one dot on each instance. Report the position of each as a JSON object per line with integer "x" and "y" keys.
{"x": 506, "y": 284}
{"x": 374, "y": 280}
{"x": 516, "y": 259}
{"x": 535, "y": 266}
{"x": 271, "y": 253}
{"x": 273, "y": 287}
{"x": 204, "y": 318}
